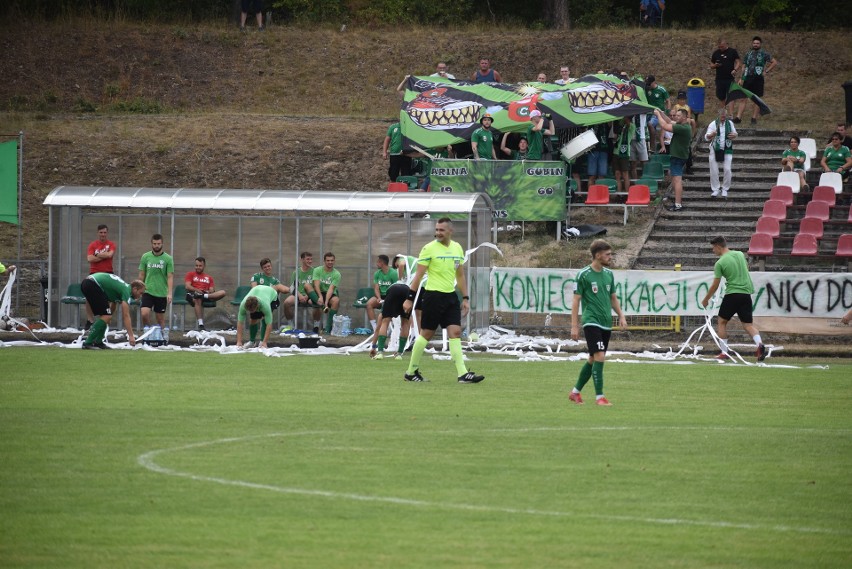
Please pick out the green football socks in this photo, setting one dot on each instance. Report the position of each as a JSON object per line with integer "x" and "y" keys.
{"x": 253, "y": 332}
{"x": 585, "y": 376}
{"x": 382, "y": 341}
{"x": 597, "y": 377}
{"x": 402, "y": 343}
{"x": 96, "y": 332}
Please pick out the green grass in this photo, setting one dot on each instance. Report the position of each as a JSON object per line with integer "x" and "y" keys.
{"x": 139, "y": 459}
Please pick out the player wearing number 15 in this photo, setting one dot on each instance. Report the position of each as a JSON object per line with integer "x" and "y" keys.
{"x": 595, "y": 287}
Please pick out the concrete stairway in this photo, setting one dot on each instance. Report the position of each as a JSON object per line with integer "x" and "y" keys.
{"x": 683, "y": 237}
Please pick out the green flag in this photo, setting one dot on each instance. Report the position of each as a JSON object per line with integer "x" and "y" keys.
{"x": 9, "y": 182}
{"x": 736, "y": 93}
{"x": 436, "y": 112}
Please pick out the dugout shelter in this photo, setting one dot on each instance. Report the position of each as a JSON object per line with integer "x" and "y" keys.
{"x": 235, "y": 228}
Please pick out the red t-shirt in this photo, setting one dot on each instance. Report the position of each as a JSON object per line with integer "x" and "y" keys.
{"x": 101, "y": 265}
{"x": 199, "y": 281}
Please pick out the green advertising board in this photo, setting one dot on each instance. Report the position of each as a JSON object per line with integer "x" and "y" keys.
{"x": 529, "y": 190}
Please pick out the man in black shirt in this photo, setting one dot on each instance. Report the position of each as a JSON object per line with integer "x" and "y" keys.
{"x": 726, "y": 62}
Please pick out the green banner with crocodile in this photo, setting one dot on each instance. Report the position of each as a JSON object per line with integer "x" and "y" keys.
{"x": 531, "y": 190}
{"x": 437, "y": 111}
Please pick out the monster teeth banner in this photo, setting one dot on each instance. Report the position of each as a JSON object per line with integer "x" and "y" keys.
{"x": 736, "y": 92}
{"x": 437, "y": 111}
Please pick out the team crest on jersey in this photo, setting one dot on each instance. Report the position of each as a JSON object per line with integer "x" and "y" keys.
{"x": 595, "y": 287}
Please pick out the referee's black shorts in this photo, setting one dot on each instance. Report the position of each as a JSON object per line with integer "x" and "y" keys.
{"x": 738, "y": 303}
{"x": 440, "y": 309}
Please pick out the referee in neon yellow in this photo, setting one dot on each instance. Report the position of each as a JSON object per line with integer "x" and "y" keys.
{"x": 443, "y": 261}
{"x": 595, "y": 287}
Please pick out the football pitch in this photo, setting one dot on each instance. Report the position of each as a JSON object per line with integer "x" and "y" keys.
{"x": 147, "y": 459}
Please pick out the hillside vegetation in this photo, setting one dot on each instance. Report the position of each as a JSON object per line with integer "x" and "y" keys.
{"x": 307, "y": 108}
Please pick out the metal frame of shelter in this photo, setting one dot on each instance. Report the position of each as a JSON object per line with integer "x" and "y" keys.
{"x": 234, "y": 228}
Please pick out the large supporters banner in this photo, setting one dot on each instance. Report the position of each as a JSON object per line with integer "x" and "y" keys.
{"x": 673, "y": 293}
{"x": 437, "y": 111}
{"x": 520, "y": 190}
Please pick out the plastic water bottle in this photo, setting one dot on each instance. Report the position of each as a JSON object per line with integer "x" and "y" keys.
{"x": 336, "y": 325}
{"x": 346, "y": 326}
{"x": 166, "y": 334}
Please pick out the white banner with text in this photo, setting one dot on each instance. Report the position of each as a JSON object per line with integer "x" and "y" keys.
{"x": 673, "y": 293}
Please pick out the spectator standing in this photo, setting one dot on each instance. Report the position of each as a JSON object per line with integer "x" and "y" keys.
{"x": 726, "y": 61}
{"x": 836, "y": 157}
{"x": 156, "y": 270}
{"x": 383, "y": 278}
{"x": 651, "y": 12}
{"x": 598, "y": 157}
{"x": 520, "y": 154}
{"x": 482, "y": 140}
{"x": 326, "y": 281}
{"x": 658, "y": 96}
{"x": 756, "y": 66}
{"x": 103, "y": 290}
{"x": 400, "y": 164}
{"x": 303, "y": 293}
{"x": 639, "y": 144}
{"x": 595, "y": 288}
{"x": 846, "y": 139}
{"x": 200, "y": 287}
{"x": 485, "y": 74}
{"x": 564, "y": 76}
{"x": 441, "y": 71}
{"x": 536, "y": 133}
{"x": 541, "y": 77}
{"x": 793, "y": 160}
{"x": 721, "y": 134}
{"x": 442, "y": 260}
{"x": 732, "y": 266}
{"x": 678, "y": 150}
{"x": 251, "y": 6}
{"x": 625, "y": 132}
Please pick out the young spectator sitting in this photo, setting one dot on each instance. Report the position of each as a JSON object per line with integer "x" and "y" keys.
{"x": 793, "y": 160}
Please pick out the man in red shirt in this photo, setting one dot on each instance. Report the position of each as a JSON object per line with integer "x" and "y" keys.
{"x": 100, "y": 252}
{"x": 200, "y": 287}
{"x": 99, "y": 255}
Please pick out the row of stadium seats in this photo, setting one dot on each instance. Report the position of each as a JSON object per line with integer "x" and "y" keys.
{"x": 779, "y": 210}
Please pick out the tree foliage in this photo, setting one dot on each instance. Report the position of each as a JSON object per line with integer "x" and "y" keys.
{"x": 752, "y": 14}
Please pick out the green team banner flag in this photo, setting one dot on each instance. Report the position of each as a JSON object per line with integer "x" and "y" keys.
{"x": 437, "y": 111}
{"x": 736, "y": 93}
{"x": 9, "y": 182}
{"x": 529, "y": 190}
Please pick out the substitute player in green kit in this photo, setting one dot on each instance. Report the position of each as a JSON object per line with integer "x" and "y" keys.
{"x": 101, "y": 289}
{"x": 258, "y": 300}
{"x": 595, "y": 287}
{"x": 443, "y": 261}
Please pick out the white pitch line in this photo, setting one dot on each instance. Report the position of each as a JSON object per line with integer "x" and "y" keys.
{"x": 147, "y": 460}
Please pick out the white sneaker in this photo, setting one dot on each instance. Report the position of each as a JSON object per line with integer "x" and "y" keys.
{"x": 714, "y": 194}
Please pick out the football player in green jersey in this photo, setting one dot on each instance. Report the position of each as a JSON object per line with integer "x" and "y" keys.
{"x": 595, "y": 288}
{"x": 102, "y": 291}
{"x": 383, "y": 278}
{"x": 304, "y": 294}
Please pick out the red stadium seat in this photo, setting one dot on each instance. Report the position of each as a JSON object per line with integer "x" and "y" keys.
{"x": 783, "y": 193}
{"x": 804, "y": 245}
{"x": 811, "y": 226}
{"x": 825, "y": 194}
{"x": 761, "y": 245}
{"x": 397, "y": 187}
{"x": 768, "y": 226}
{"x": 638, "y": 195}
{"x": 775, "y": 208}
{"x": 844, "y": 245}
{"x": 819, "y": 210}
{"x": 598, "y": 195}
